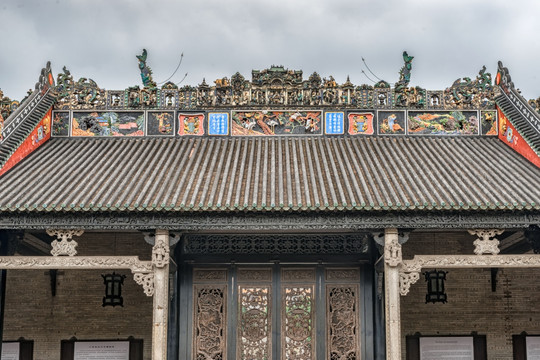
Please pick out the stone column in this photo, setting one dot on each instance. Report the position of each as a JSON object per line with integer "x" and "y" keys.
{"x": 392, "y": 260}
{"x": 160, "y": 264}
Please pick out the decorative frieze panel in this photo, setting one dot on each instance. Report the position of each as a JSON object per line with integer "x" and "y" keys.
{"x": 296, "y": 222}
{"x": 298, "y": 275}
{"x": 209, "y": 275}
{"x": 342, "y": 322}
{"x": 272, "y": 244}
{"x": 210, "y": 322}
{"x": 254, "y": 275}
{"x": 339, "y": 274}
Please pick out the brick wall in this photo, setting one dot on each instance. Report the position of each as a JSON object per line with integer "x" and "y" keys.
{"x": 472, "y": 306}
{"x": 33, "y": 313}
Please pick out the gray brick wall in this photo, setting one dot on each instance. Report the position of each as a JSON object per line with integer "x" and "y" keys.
{"x": 472, "y": 306}
{"x": 33, "y": 313}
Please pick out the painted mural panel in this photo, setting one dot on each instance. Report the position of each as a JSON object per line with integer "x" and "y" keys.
{"x": 391, "y": 122}
{"x": 443, "y": 122}
{"x": 60, "y": 123}
{"x": 511, "y": 137}
{"x": 334, "y": 122}
{"x": 160, "y": 123}
{"x": 109, "y": 123}
{"x": 267, "y": 123}
{"x": 218, "y": 123}
{"x": 488, "y": 121}
{"x": 190, "y": 124}
{"x": 38, "y": 136}
{"x": 361, "y": 123}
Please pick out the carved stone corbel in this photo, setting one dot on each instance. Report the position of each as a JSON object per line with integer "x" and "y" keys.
{"x": 406, "y": 279}
{"x": 484, "y": 244}
{"x": 146, "y": 280}
{"x": 66, "y": 245}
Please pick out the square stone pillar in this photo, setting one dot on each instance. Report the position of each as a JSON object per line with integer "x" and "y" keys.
{"x": 392, "y": 262}
{"x": 160, "y": 265}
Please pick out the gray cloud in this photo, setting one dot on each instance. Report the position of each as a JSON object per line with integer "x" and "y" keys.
{"x": 99, "y": 39}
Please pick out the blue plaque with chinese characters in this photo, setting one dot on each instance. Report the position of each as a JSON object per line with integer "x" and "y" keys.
{"x": 334, "y": 122}
{"x": 218, "y": 123}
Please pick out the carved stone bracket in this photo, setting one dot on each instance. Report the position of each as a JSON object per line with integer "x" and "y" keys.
{"x": 410, "y": 270}
{"x": 66, "y": 246}
{"x": 146, "y": 280}
{"x": 406, "y": 280}
{"x": 484, "y": 244}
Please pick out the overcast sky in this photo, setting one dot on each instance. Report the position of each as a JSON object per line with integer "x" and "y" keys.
{"x": 99, "y": 39}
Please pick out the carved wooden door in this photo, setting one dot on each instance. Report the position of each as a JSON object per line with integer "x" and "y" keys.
{"x": 277, "y": 312}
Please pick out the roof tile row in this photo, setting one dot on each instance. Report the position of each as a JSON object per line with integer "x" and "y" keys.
{"x": 272, "y": 174}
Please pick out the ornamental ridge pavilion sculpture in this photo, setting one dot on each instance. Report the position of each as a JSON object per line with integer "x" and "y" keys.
{"x": 274, "y": 87}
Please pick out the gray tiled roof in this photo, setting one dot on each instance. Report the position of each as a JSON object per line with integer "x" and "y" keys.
{"x": 279, "y": 173}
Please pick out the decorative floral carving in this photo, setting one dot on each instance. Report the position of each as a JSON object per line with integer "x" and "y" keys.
{"x": 297, "y": 323}
{"x": 210, "y": 322}
{"x": 146, "y": 280}
{"x": 406, "y": 280}
{"x": 342, "y": 322}
{"x": 484, "y": 244}
{"x": 255, "y": 333}
{"x": 66, "y": 246}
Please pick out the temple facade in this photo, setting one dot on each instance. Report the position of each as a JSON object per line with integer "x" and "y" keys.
{"x": 280, "y": 217}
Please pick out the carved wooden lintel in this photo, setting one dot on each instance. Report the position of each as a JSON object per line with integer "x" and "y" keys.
{"x": 64, "y": 245}
{"x": 486, "y": 242}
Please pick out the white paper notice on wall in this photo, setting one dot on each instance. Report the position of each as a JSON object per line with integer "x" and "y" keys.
{"x": 10, "y": 350}
{"x": 101, "y": 350}
{"x": 447, "y": 348}
{"x": 533, "y": 347}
